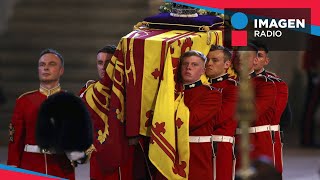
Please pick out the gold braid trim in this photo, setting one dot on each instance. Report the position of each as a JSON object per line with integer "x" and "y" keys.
{"x": 206, "y": 29}
{"x": 86, "y": 158}
{"x": 201, "y": 28}
{"x": 89, "y": 151}
{"x": 140, "y": 24}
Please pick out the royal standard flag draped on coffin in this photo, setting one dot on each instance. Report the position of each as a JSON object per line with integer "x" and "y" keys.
{"x": 128, "y": 93}
{"x": 169, "y": 150}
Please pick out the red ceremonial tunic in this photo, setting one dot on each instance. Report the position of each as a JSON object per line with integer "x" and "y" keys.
{"x": 110, "y": 161}
{"x": 265, "y": 96}
{"x": 105, "y": 168}
{"x": 22, "y": 132}
{"x": 281, "y": 102}
{"x": 204, "y": 102}
{"x": 281, "y": 96}
{"x": 225, "y": 125}
{"x": 88, "y": 83}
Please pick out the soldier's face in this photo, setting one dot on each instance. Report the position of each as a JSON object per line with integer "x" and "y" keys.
{"x": 50, "y": 68}
{"x": 216, "y": 66}
{"x": 262, "y": 60}
{"x": 103, "y": 60}
{"x": 191, "y": 69}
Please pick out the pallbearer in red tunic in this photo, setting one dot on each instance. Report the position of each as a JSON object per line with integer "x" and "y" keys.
{"x": 281, "y": 101}
{"x": 265, "y": 96}
{"x": 103, "y": 59}
{"x": 204, "y": 103}
{"x": 265, "y": 91}
{"x": 23, "y": 151}
{"x": 103, "y": 162}
{"x": 280, "y": 107}
{"x": 219, "y": 60}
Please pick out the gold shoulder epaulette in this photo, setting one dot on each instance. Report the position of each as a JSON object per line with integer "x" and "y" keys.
{"x": 29, "y": 92}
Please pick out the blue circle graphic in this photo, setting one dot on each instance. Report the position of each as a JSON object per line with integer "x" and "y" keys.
{"x": 239, "y": 20}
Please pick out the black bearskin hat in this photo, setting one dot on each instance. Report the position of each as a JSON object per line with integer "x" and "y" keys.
{"x": 64, "y": 124}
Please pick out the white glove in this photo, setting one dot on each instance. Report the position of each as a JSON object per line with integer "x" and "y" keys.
{"x": 75, "y": 155}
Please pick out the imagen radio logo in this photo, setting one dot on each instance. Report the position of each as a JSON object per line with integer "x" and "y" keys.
{"x": 283, "y": 29}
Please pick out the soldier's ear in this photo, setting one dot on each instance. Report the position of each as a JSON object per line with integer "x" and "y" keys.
{"x": 61, "y": 71}
{"x": 255, "y": 60}
{"x": 204, "y": 70}
{"x": 227, "y": 64}
{"x": 267, "y": 60}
